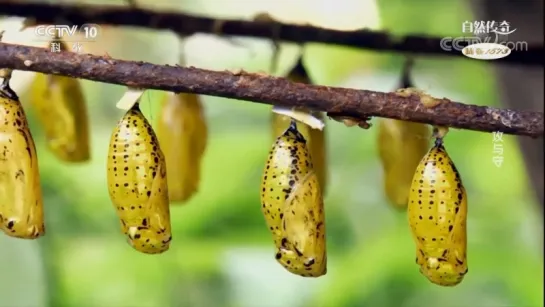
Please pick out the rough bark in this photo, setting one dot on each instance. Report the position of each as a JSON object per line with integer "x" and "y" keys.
{"x": 271, "y": 90}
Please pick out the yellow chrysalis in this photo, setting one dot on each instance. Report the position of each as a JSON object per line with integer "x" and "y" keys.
{"x": 137, "y": 183}
{"x": 21, "y": 208}
{"x": 315, "y": 142}
{"x": 183, "y": 136}
{"x": 315, "y": 137}
{"x": 286, "y": 184}
{"x": 60, "y": 107}
{"x": 437, "y": 216}
{"x": 287, "y": 163}
{"x": 401, "y": 146}
{"x": 302, "y": 248}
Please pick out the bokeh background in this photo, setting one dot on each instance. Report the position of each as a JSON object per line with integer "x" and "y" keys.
{"x": 222, "y": 253}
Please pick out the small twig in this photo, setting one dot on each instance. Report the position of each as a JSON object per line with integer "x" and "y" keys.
{"x": 185, "y": 25}
{"x": 132, "y": 3}
{"x": 267, "y": 19}
{"x": 271, "y": 90}
{"x": 406, "y": 79}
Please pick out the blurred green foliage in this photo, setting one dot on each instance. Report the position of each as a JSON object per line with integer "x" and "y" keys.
{"x": 222, "y": 254}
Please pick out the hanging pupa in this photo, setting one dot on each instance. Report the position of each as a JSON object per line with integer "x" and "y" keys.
{"x": 183, "y": 134}
{"x": 292, "y": 205}
{"x": 21, "y": 208}
{"x": 437, "y": 213}
{"x": 401, "y": 146}
{"x": 315, "y": 137}
{"x": 302, "y": 249}
{"x": 60, "y": 107}
{"x": 137, "y": 183}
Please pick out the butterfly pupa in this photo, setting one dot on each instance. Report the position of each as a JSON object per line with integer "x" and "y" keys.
{"x": 183, "y": 134}
{"x": 315, "y": 142}
{"x": 21, "y": 208}
{"x": 437, "y": 213}
{"x": 302, "y": 249}
{"x": 285, "y": 186}
{"x": 137, "y": 183}
{"x": 60, "y": 107}
{"x": 401, "y": 146}
{"x": 315, "y": 137}
{"x": 287, "y": 163}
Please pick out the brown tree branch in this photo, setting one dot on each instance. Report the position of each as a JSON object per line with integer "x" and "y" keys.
{"x": 270, "y": 90}
{"x": 185, "y": 25}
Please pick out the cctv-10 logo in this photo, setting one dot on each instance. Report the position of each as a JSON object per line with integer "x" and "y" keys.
{"x": 88, "y": 31}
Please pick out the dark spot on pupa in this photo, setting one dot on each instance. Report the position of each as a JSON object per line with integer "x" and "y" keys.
{"x": 309, "y": 263}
